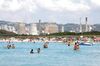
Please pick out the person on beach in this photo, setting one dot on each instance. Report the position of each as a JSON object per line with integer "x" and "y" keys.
{"x": 38, "y": 50}
{"x": 31, "y": 52}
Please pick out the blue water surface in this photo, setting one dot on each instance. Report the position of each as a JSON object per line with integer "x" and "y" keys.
{"x": 57, "y": 54}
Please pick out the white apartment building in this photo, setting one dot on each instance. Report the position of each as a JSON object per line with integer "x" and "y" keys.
{"x": 21, "y": 28}
{"x": 51, "y": 28}
{"x": 33, "y": 29}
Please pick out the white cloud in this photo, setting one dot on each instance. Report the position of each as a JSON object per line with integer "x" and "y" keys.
{"x": 53, "y": 5}
{"x": 96, "y": 2}
{"x": 47, "y": 4}
{"x": 28, "y": 5}
{"x": 13, "y": 5}
{"x": 6, "y": 5}
{"x": 71, "y": 6}
{"x": 59, "y": 5}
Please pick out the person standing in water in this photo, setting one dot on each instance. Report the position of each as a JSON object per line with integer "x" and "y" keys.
{"x": 38, "y": 50}
{"x": 76, "y": 46}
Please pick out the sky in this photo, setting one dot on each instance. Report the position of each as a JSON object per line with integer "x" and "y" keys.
{"x": 59, "y": 11}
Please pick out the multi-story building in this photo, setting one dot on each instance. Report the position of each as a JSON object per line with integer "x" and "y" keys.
{"x": 71, "y": 27}
{"x": 96, "y": 27}
{"x": 21, "y": 28}
{"x": 33, "y": 29}
{"x": 47, "y": 28}
{"x": 86, "y": 29}
{"x": 51, "y": 28}
{"x": 60, "y": 28}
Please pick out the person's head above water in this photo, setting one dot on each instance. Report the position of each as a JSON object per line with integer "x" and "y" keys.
{"x": 38, "y": 48}
{"x": 31, "y": 49}
{"x": 75, "y": 43}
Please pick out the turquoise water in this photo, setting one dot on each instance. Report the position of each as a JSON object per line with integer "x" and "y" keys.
{"x": 58, "y": 54}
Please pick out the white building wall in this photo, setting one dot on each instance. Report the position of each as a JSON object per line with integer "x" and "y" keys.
{"x": 33, "y": 29}
{"x": 21, "y": 28}
{"x": 51, "y": 28}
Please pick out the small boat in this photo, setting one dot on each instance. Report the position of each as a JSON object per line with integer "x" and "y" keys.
{"x": 86, "y": 44}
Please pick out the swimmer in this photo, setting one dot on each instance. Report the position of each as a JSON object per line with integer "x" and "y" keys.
{"x": 68, "y": 43}
{"x": 13, "y": 47}
{"x": 76, "y": 46}
{"x": 8, "y": 46}
{"x": 45, "y": 45}
{"x": 31, "y": 52}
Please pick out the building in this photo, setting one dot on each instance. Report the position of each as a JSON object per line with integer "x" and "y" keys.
{"x": 51, "y": 28}
{"x": 21, "y": 28}
{"x": 60, "y": 28}
{"x": 96, "y": 27}
{"x": 33, "y": 29}
{"x": 70, "y": 27}
{"x": 86, "y": 29}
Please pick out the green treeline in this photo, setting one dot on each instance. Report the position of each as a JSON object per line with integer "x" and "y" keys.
{"x": 4, "y": 33}
{"x": 7, "y": 34}
{"x": 73, "y": 33}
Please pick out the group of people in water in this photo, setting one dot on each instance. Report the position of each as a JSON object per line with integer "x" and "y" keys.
{"x": 11, "y": 46}
{"x": 76, "y": 45}
{"x": 38, "y": 50}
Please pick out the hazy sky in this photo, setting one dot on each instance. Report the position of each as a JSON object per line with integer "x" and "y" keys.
{"x": 60, "y": 11}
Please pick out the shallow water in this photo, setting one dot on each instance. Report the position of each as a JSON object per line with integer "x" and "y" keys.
{"x": 58, "y": 54}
